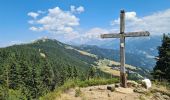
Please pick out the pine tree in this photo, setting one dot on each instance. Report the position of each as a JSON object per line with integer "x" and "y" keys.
{"x": 56, "y": 79}
{"x": 91, "y": 72}
{"x": 13, "y": 76}
{"x": 47, "y": 76}
{"x": 24, "y": 73}
{"x": 63, "y": 76}
{"x": 75, "y": 72}
{"x": 35, "y": 83}
{"x": 162, "y": 68}
{"x": 69, "y": 72}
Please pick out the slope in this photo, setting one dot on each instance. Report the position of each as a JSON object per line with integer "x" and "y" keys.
{"x": 41, "y": 66}
{"x": 139, "y": 60}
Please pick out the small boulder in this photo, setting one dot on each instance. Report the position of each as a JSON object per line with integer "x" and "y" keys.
{"x": 166, "y": 97}
{"x": 108, "y": 95}
{"x": 132, "y": 83}
{"x": 158, "y": 96}
{"x": 117, "y": 85}
{"x": 146, "y": 83}
{"x": 111, "y": 88}
{"x": 140, "y": 90}
{"x": 90, "y": 89}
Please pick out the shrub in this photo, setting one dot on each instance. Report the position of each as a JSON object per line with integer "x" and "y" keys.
{"x": 9, "y": 94}
{"x": 77, "y": 92}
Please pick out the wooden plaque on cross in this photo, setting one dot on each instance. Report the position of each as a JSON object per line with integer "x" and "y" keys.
{"x": 122, "y": 35}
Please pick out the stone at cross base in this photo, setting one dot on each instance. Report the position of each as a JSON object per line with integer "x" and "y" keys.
{"x": 122, "y": 35}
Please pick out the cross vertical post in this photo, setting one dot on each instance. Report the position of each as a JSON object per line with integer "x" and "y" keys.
{"x": 123, "y": 79}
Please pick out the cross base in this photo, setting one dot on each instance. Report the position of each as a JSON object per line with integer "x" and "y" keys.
{"x": 123, "y": 80}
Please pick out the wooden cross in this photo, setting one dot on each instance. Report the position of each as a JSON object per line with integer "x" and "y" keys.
{"x": 122, "y": 35}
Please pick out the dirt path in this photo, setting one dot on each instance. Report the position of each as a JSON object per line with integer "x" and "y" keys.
{"x": 99, "y": 93}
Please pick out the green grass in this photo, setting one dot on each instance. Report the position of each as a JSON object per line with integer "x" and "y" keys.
{"x": 77, "y": 83}
{"x": 162, "y": 87}
{"x": 93, "y": 82}
{"x": 142, "y": 97}
{"x": 10, "y": 94}
{"x": 162, "y": 83}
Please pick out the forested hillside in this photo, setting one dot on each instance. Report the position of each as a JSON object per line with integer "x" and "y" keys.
{"x": 139, "y": 60}
{"x": 32, "y": 70}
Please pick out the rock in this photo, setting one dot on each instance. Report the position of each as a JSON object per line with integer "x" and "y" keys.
{"x": 140, "y": 90}
{"x": 132, "y": 83}
{"x": 142, "y": 97}
{"x": 117, "y": 85}
{"x": 124, "y": 90}
{"x": 158, "y": 96}
{"x": 42, "y": 55}
{"x": 146, "y": 83}
{"x": 111, "y": 88}
{"x": 166, "y": 97}
{"x": 108, "y": 95}
{"x": 139, "y": 85}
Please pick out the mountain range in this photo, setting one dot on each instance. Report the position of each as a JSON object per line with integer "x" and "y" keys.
{"x": 60, "y": 54}
{"x": 140, "y": 52}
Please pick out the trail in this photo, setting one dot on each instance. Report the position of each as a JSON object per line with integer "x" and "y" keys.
{"x": 101, "y": 93}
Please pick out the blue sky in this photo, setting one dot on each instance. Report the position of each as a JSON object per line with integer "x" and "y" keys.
{"x": 95, "y": 17}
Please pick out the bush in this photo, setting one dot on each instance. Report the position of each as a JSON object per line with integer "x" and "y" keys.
{"x": 9, "y": 94}
{"x": 98, "y": 81}
{"x": 3, "y": 93}
{"x": 77, "y": 92}
{"x": 16, "y": 95}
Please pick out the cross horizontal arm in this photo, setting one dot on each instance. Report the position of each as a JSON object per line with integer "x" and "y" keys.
{"x": 137, "y": 34}
{"x": 129, "y": 34}
{"x": 112, "y": 35}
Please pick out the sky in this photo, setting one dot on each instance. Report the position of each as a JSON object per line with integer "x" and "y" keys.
{"x": 78, "y": 21}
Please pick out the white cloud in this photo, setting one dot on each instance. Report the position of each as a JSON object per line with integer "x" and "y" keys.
{"x": 73, "y": 8}
{"x": 31, "y": 22}
{"x": 63, "y": 24}
{"x": 57, "y": 21}
{"x": 37, "y": 29}
{"x": 41, "y": 12}
{"x": 90, "y": 36}
{"x": 156, "y": 23}
{"x": 80, "y": 9}
{"x": 71, "y": 36}
{"x": 33, "y": 14}
{"x": 94, "y": 33}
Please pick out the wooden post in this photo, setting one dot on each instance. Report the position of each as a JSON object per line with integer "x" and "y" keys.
{"x": 122, "y": 50}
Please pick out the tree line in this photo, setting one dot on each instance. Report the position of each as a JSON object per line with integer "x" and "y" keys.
{"x": 161, "y": 71}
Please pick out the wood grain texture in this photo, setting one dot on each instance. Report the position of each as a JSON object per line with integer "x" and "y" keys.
{"x": 137, "y": 34}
